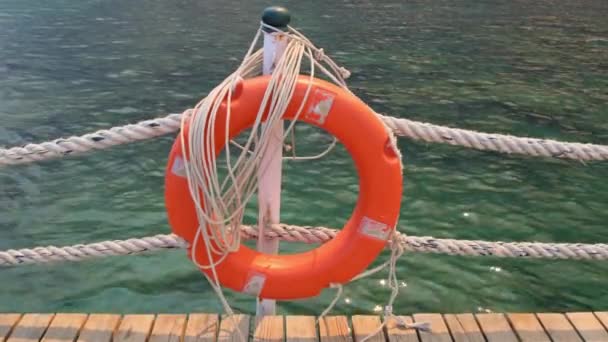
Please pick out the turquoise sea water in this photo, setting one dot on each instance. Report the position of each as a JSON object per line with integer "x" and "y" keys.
{"x": 535, "y": 68}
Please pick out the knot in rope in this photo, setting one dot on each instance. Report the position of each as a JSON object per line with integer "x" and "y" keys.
{"x": 345, "y": 73}
{"x": 320, "y": 54}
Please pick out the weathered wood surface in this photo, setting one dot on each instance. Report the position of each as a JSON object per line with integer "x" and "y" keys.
{"x": 201, "y": 327}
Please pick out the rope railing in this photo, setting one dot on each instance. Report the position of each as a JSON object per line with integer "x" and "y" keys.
{"x": 402, "y": 127}
{"x": 98, "y": 140}
{"x": 420, "y": 244}
{"x": 502, "y": 143}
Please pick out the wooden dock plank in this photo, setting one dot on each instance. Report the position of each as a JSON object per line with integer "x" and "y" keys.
{"x": 168, "y": 328}
{"x": 602, "y": 316}
{"x": 7, "y": 322}
{"x": 364, "y": 326}
{"x": 397, "y": 333}
{"x": 64, "y": 327}
{"x": 588, "y": 326}
{"x": 334, "y": 329}
{"x": 234, "y": 328}
{"x": 30, "y": 328}
{"x": 495, "y": 327}
{"x": 269, "y": 329}
{"x": 439, "y": 330}
{"x": 300, "y": 329}
{"x": 99, "y": 328}
{"x": 558, "y": 327}
{"x": 201, "y": 328}
{"x": 528, "y": 328}
{"x": 464, "y": 328}
{"x": 134, "y": 328}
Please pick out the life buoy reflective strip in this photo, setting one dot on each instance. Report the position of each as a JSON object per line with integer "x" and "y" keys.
{"x": 364, "y": 235}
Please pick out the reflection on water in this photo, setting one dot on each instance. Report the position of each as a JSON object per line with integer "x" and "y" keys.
{"x": 527, "y": 68}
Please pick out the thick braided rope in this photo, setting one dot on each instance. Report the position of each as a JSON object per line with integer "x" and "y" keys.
{"x": 99, "y": 140}
{"x": 403, "y": 127}
{"x": 424, "y": 244}
{"x": 495, "y": 142}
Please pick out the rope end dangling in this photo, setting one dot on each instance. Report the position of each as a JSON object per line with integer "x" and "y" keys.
{"x": 401, "y": 323}
{"x": 421, "y": 326}
{"x": 333, "y": 302}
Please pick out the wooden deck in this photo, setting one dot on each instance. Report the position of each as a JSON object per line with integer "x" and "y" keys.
{"x": 492, "y": 327}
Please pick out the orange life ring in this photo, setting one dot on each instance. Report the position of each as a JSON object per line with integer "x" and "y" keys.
{"x": 364, "y": 235}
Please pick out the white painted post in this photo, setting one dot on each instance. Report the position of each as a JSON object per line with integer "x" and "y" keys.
{"x": 269, "y": 194}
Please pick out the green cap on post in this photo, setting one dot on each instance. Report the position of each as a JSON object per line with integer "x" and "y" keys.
{"x": 276, "y": 16}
